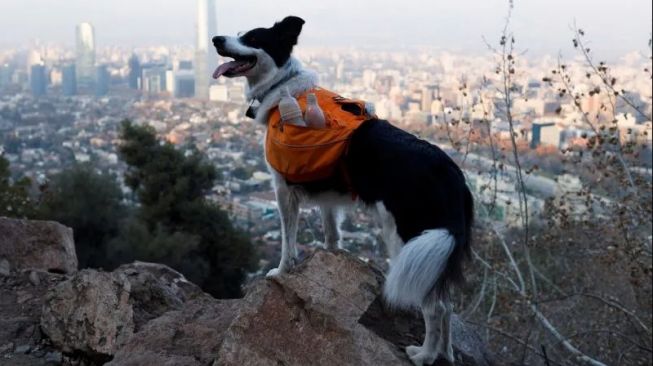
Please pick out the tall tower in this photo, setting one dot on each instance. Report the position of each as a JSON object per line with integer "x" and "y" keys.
{"x": 85, "y": 53}
{"x": 204, "y": 61}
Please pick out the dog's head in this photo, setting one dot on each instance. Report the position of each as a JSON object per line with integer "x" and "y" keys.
{"x": 261, "y": 51}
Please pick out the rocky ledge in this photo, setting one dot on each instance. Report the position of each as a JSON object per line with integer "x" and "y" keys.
{"x": 327, "y": 311}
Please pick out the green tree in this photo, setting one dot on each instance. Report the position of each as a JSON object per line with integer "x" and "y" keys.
{"x": 91, "y": 204}
{"x": 178, "y": 249}
{"x": 171, "y": 187}
{"x": 14, "y": 195}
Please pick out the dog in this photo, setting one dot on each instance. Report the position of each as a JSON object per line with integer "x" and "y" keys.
{"x": 417, "y": 191}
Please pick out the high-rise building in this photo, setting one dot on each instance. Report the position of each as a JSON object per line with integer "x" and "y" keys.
{"x": 427, "y": 97}
{"x": 135, "y": 71}
{"x": 102, "y": 80}
{"x": 85, "y": 65}
{"x": 204, "y": 61}
{"x": 33, "y": 58}
{"x": 186, "y": 65}
{"x": 153, "y": 81}
{"x": 184, "y": 84}
{"x": 5, "y": 75}
{"x": 69, "y": 80}
{"x": 38, "y": 80}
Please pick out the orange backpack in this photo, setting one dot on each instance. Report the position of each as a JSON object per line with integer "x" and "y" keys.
{"x": 304, "y": 154}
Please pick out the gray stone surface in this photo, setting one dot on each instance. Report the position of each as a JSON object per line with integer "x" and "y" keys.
{"x": 21, "y": 302}
{"x": 89, "y": 313}
{"x": 310, "y": 316}
{"x": 326, "y": 311}
{"x": 156, "y": 289}
{"x": 41, "y": 245}
{"x": 190, "y": 336}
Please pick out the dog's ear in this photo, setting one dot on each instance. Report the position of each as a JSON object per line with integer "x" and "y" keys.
{"x": 290, "y": 28}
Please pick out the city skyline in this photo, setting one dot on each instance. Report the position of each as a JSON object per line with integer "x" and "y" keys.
{"x": 541, "y": 27}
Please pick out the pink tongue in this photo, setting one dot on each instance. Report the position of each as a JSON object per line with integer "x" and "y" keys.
{"x": 222, "y": 69}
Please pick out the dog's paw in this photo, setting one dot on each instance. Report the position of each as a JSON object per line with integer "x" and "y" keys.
{"x": 413, "y": 350}
{"x": 419, "y": 356}
{"x": 274, "y": 272}
{"x": 335, "y": 246}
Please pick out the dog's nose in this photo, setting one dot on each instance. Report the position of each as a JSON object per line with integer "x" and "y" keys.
{"x": 218, "y": 41}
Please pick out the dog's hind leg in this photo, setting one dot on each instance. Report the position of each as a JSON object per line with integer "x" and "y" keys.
{"x": 331, "y": 220}
{"x": 444, "y": 347}
{"x": 436, "y": 346}
{"x": 288, "y": 203}
{"x": 427, "y": 353}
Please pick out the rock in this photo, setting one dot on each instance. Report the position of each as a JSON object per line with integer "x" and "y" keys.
{"x": 5, "y": 267}
{"x": 24, "y": 348}
{"x": 41, "y": 245}
{"x": 19, "y": 359}
{"x": 20, "y": 306}
{"x": 95, "y": 313}
{"x": 8, "y": 347}
{"x": 328, "y": 311}
{"x": 310, "y": 317}
{"x": 53, "y": 358}
{"x": 156, "y": 289}
{"x": 34, "y": 278}
{"x": 89, "y": 313}
{"x": 190, "y": 336}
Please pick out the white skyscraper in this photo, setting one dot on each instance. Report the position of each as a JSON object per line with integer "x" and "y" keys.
{"x": 85, "y": 65}
{"x": 205, "y": 60}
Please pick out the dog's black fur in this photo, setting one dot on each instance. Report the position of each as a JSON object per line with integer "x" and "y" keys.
{"x": 418, "y": 183}
{"x": 277, "y": 41}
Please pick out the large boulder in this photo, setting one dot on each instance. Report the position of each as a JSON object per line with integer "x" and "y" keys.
{"x": 156, "y": 289}
{"x": 21, "y": 299}
{"x": 328, "y": 311}
{"x": 191, "y": 336}
{"x": 39, "y": 245}
{"x": 95, "y": 313}
{"x": 310, "y": 317}
{"x": 90, "y": 314}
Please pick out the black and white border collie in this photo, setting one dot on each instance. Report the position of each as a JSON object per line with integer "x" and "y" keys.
{"x": 417, "y": 191}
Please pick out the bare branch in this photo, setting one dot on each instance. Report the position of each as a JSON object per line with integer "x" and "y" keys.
{"x": 564, "y": 341}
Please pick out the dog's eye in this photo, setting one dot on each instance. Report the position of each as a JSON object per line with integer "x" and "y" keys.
{"x": 249, "y": 39}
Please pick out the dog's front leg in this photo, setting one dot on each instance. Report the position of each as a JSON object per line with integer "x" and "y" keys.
{"x": 331, "y": 220}
{"x": 288, "y": 203}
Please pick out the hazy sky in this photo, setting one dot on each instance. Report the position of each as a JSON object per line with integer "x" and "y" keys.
{"x": 542, "y": 26}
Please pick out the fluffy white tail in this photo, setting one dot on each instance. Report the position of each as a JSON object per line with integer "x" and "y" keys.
{"x": 415, "y": 271}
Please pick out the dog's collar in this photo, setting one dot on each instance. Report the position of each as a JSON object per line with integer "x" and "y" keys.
{"x": 251, "y": 111}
